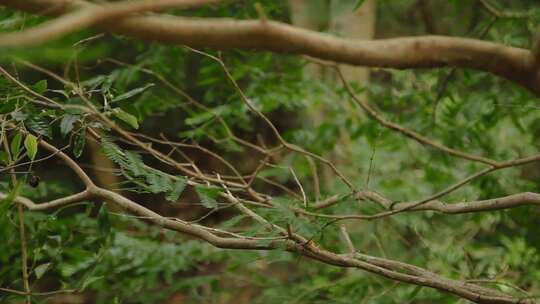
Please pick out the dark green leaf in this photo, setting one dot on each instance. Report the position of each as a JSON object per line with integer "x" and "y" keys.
{"x": 79, "y": 143}
{"x": 39, "y": 125}
{"x": 4, "y": 159}
{"x": 8, "y": 106}
{"x": 104, "y": 222}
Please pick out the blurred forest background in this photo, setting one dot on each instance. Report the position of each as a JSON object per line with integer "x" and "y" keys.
{"x": 97, "y": 253}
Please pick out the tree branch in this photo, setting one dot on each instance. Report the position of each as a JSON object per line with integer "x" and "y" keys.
{"x": 390, "y": 269}
{"x": 514, "y": 64}
{"x": 78, "y": 197}
{"x": 506, "y": 202}
{"x": 88, "y": 15}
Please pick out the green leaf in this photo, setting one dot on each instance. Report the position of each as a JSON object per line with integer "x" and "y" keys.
{"x": 158, "y": 182}
{"x": 66, "y": 125}
{"x": 79, "y": 144}
{"x": 208, "y": 195}
{"x": 113, "y": 152}
{"x": 4, "y": 158}
{"x": 104, "y": 221}
{"x": 230, "y": 223}
{"x": 8, "y": 229}
{"x": 199, "y": 118}
{"x": 131, "y": 93}
{"x": 126, "y": 117}
{"x": 8, "y": 107}
{"x": 41, "y": 269}
{"x": 413, "y": 294}
{"x": 39, "y": 125}
{"x": 16, "y": 145}
{"x": 358, "y": 4}
{"x": 89, "y": 281}
{"x": 134, "y": 163}
{"x": 177, "y": 189}
{"x": 12, "y": 194}
{"x": 40, "y": 87}
{"x": 31, "y": 145}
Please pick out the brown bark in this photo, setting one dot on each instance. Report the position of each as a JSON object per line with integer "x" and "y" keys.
{"x": 515, "y": 64}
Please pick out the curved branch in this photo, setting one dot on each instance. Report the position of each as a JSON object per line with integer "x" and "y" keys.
{"x": 75, "y": 198}
{"x": 387, "y": 268}
{"x": 503, "y": 14}
{"x": 406, "y": 132}
{"x": 393, "y": 270}
{"x": 89, "y": 15}
{"x": 515, "y": 64}
{"x": 500, "y": 203}
{"x": 506, "y": 202}
{"x": 69, "y": 162}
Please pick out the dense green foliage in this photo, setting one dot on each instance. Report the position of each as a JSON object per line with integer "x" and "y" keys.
{"x": 110, "y": 257}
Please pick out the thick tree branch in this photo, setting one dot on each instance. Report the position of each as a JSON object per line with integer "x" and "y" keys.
{"x": 89, "y": 15}
{"x": 390, "y": 269}
{"x": 515, "y": 64}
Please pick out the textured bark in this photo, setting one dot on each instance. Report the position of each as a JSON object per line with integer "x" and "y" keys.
{"x": 515, "y": 64}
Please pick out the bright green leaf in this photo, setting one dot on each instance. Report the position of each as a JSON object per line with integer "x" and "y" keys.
{"x": 40, "y": 87}
{"x": 31, "y": 145}
{"x": 126, "y": 117}
{"x": 131, "y": 93}
{"x": 79, "y": 143}
{"x": 16, "y": 145}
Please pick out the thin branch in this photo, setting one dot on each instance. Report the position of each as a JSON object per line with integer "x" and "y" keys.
{"x": 500, "y": 203}
{"x": 47, "y": 293}
{"x": 347, "y": 239}
{"x": 20, "y": 214}
{"x": 286, "y": 144}
{"x": 75, "y": 198}
{"x": 503, "y": 14}
{"x": 296, "y": 243}
{"x": 406, "y": 132}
